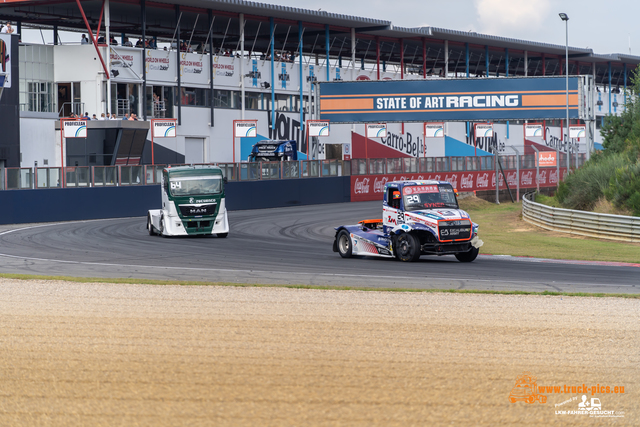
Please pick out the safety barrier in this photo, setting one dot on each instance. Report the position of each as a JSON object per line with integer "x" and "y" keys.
{"x": 603, "y": 226}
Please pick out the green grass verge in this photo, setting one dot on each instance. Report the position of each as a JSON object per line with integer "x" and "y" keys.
{"x": 317, "y": 287}
{"x": 505, "y": 233}
{"x": 546, "y": 200}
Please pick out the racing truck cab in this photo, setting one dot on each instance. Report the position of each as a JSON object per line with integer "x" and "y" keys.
{"x": 418, "y": 218}
{"x": 193, "y": 203}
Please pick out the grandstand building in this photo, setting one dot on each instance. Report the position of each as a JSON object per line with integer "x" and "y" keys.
{"x": 207, "y": 63}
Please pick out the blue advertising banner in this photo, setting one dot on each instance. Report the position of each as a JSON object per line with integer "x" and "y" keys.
{"x": 526, "y": 98}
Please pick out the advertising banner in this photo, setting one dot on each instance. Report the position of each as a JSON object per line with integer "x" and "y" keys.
{"x": 448, "y": 100}
{"x": 532, "y": 130}
{"x": 126, "y": 63}
{"x": 546, "y": 158}
{"x": 376, "y": 130}
{"x": 194, "y": 69}
{"x": 161, "y": 65}
{"x": 245, "y": 128}
{"x": 74, "y": 128}
{"x": 434, "y": 130}
{"x": 318, "y": 128}
{"x": 5, "y": 59}
{"x": 163, "y": 128}
{"x": 483, "y": 130}
{"x": 371, "y": 187}
{"x": 577, "y": 131}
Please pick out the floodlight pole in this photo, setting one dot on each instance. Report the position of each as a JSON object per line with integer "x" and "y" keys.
{"x": 565, "y": 18}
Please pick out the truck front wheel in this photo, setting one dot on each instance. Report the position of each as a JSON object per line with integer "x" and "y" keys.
{"x": 468, "y": 256}
{"x": 407, "y": 247}
{"x": 152, "y": 231}
{"x": 344, "y": 244}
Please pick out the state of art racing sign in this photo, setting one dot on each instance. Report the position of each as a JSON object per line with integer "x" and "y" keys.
{"x": 449, "y": 100}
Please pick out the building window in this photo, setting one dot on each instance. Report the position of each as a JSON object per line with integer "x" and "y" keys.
{"x": 37, "y": 86}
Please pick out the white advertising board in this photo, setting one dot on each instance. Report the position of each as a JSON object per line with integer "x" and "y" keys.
{"x": 164, "y": 128}
{"x": 533, "y": 130}
{"x": 194, "y": 68}
{"x": 74, "y": 128}
{"x": 577, "y": 131}
{"x": 434, "y": 130}
{"x": 484, "y": 130}
{"x": 245, "y": 128}
{"x": 318, "y": 128}
{"x": 126, "y": 63}
{"x": 376, "y": 130}
{"x": 161, "y": 65}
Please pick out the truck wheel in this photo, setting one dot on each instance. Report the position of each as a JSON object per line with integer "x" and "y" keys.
{"x": 407, "y": 247}
{"x": 152, "y": 231}
{"x": 222, "y": 235}
{"x": 468, "y": 256}
{"x": 344, "y": 244}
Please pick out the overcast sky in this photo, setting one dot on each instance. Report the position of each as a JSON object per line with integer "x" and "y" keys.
{"x": 604, "y": 26}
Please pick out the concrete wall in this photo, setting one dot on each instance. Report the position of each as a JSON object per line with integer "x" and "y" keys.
{"x": 69, "y": 204}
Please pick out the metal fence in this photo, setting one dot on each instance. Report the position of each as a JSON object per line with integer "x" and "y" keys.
{"x": 603, "y": 226}
{"x": 103, "y": 176}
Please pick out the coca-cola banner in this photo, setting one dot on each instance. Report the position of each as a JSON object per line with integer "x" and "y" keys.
{"x": 371, "y": 187}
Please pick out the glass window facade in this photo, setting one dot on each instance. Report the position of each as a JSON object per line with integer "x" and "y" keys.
{"x": 37, "y": 87}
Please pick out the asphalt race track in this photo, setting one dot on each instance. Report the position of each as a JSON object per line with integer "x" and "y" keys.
{"x": 280, "y": 246}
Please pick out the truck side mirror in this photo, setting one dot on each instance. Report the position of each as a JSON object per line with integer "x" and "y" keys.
{"x": 224, "y": 179}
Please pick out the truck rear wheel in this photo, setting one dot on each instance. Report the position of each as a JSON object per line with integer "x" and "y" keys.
{"x": 344, "y": 244}
{"x": 407, "y": 247}
{"x": 468, "y": 256}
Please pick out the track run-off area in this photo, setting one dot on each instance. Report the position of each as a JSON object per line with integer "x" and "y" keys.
{"x": 105, "y": 354}
{"x": 282, "y": 246}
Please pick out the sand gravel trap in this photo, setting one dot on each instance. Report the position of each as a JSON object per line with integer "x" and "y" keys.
{"x": 109, "y": 354}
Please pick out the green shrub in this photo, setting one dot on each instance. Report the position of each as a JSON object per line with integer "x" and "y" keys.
{"x": 624, "y": 188}
{"x": 582, "y": 188}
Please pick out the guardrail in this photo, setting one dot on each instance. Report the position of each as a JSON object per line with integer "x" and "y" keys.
{"x": 590, "y": 224}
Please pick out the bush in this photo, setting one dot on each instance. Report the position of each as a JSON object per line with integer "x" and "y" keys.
{"x": 624, "y": 188}
{"x": 582, "y": 189}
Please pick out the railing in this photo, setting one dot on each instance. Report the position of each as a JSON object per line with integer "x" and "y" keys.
{"x": 74, "y": 107}
{"x": 123, "y": 107}
{"x": 159, "y": 109}
{"x": 126, "y": 175}
{"x": 602, "y": 226}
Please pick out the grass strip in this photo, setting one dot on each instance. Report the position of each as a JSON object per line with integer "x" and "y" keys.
{"x": 317, "y": 287}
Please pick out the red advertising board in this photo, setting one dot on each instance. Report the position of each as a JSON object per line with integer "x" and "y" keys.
{"x": 371, "y": 187}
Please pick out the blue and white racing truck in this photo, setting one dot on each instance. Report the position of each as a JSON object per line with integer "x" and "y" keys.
{"x": 418, "y": 218}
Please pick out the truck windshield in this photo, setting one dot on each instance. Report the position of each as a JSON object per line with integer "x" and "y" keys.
{"x": 419, "y": 197}
{"x": 195, "y": 185}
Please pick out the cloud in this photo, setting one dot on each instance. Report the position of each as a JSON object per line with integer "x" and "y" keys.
{"x": 498, "y": 17}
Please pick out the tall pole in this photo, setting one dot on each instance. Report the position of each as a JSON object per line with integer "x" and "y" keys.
{"x": 242, "y": 94}
{"x": 566, "y": 66}
{"x": 565, "y": 18}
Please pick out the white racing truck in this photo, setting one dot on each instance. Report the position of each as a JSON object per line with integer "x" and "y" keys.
{"x": 193, "y": 203}
{"x": 419, "y": 218}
